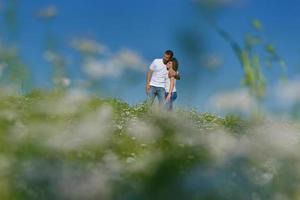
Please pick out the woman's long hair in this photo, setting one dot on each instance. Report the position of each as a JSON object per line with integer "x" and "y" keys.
{"x": 175, "y": 64}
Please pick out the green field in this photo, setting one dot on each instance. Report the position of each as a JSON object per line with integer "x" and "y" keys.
{"x": 69, "y": 145}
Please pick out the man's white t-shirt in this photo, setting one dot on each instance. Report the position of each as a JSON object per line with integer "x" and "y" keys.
{"x": 159, "y": 74}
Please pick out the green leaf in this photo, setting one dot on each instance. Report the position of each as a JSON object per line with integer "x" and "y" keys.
{"x": 256, "y": 24}
{"x": 270, "y": 49}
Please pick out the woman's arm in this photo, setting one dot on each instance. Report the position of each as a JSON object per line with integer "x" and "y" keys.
{"x": 172, "y": 80}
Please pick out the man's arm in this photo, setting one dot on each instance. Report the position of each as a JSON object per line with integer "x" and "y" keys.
{"x": 148, "y": 79}
{"x": 177, "y": 76}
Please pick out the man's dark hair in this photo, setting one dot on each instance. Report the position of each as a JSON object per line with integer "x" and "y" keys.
{"x": 169, "y": 52}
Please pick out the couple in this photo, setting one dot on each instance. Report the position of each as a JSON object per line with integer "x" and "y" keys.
{"x": 161, "y": 80}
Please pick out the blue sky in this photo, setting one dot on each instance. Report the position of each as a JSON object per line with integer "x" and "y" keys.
{"x": 149, "y": 28}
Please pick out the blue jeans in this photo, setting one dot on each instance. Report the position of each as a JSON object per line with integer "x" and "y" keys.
{"x": 169, "y": 104}
{"x": 156, "y": 92}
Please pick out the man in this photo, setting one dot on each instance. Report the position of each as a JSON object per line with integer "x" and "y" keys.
{"x": 156, "y": 78}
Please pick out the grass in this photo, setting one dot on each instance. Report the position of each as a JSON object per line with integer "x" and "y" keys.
{"x": 69, "y": 145}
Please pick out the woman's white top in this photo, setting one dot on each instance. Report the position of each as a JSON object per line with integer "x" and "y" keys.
{"x": 168, "y": 82}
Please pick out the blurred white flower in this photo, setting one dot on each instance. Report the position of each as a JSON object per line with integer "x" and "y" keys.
{"x": 9, "y": 90}
{"x": 115, "y": 65}
{"x": 48, "y": 12}
{"x": 143, "y": 131}
{"x": 63, "y": 81}
{"x": 221, "y": 145}
{"x": 88, "y": 46}
{"x": 259, "y": 177}
{"x": 264, "y": 173}
{"x": 5, "y": 164}
{"x": 91, "y": 130}
{"x": 110, "y": 64}
{"x": 80, "y": 184}
{"x": 50, "y": 56}
{"x": 8, "y": 114}
{"x": 67, "y": 104}
{"x": 274, "y": 138}
{"x": 280, "y": 196}
{"x": 54, "y": 58}
{"x": 288, "y": 93}
{"x": 76, "y": 95}
{"x": 19, "y": 131}
{"x": 234, "y": 101}
{"x": 112, "y": 163}
{"x": 66, "y": 82}
{"x": 127, "y": 58}
{"x": 148, "y": 160}
{"x": 211, "y": 61}
{"x": 96, "y": 182}
{"x": 98, "y": 69}
{"x": 130, "y": 160}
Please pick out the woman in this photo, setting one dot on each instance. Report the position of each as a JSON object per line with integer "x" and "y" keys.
{"x": 170, "y": 87}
